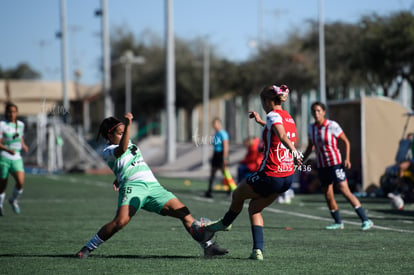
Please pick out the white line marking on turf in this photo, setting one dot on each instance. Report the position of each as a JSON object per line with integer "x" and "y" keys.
{"x": 77, "y": 180}
{"x": 307, "y": 216}
{"x": 269, "y": 209}
{"x": 326, "y": 219}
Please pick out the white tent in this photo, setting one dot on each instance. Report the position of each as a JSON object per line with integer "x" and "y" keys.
{"x": 374, "y": 126}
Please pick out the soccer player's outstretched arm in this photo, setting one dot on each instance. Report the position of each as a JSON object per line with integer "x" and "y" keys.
{"x": 123, "y": 144}
{"x": 257, "y": 118}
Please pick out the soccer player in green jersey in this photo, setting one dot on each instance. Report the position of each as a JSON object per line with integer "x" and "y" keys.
{"x": 11, "y": 162}
{"x": 138, "y": 188}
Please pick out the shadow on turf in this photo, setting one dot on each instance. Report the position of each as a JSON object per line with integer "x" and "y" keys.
{"x": 36, "y": 256}
{"x": 98, "y": 256}
{"x": 143, "y": 257}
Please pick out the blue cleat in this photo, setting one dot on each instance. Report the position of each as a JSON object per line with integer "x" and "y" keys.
{"x": 368, "y": 224}
{"x": 335, "y": 226}
{"x": 15, "y": 206}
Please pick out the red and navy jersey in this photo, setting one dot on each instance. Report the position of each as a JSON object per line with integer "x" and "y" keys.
{"x": 324, "y": 137}
{"x": 277, "y": 160}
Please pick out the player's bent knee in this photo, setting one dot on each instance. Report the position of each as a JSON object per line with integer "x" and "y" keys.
{"x": 180, "y": 213}
{"x": 121, "y": 223}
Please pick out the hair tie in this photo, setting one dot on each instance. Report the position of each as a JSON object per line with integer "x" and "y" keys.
{"x": 281, "y": 90}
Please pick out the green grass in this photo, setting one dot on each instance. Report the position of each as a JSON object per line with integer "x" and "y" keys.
{"x": 61, "y": 213}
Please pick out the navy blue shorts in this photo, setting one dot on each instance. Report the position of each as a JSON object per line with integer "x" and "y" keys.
{"x": 265, "y": 185}
{"x": 331, "y": 174}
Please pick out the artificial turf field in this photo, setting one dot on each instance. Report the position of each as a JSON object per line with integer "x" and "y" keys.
{"x": 61, "y": 212}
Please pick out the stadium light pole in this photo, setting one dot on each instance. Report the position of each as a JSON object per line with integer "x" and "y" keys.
{"x": 106, "y": 58}
{"x": 128, "y": 59}
{"x": 206, "y": 97}
{"x": 322, "y": 75}
{"x": 64, "y": 56}
{"x": 170, "y": 84}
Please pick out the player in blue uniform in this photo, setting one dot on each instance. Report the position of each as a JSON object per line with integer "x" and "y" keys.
{"x": 220, "y": 160}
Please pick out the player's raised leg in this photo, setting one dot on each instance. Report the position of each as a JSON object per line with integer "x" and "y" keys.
{"x": 174, "y": 208}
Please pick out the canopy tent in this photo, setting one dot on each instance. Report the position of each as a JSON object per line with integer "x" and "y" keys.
{"x": 374, "y": 126}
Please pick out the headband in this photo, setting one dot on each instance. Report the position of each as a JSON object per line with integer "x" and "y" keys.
{"x": 114, "y": 127}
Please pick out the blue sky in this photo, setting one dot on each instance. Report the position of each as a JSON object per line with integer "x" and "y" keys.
{"x": 28, "y": 27}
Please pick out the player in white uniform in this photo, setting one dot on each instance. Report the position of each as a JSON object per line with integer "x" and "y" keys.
{"x": 323, "y": 136}
{"x": 11, "y": 162}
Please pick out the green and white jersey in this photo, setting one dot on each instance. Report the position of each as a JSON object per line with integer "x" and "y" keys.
{"x": 11, "y": 138}
{"x": 130, "y": 166}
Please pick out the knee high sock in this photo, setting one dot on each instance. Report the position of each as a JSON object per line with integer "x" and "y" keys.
{"x": 2, "y": 196}
{"x": 336, "y": 216}
{"x": 228, "y": 179}
{"x": 93, "y": 243}
{"x": 361, "y": 213}
{"x": 258, "y": 239}
{"x": 16, "y": 193}
{"x": 229, "y": 217}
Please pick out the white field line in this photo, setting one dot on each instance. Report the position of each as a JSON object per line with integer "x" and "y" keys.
{"x": 77, "y": 180}
{"x": 269, "y": 209}
{"x": 307, "y": 216}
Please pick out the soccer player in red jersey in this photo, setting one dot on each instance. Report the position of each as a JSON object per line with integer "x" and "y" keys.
{"x": 275, "y": 174}
{"x": 323, "y": 135}
{"x": 252, "y": 159}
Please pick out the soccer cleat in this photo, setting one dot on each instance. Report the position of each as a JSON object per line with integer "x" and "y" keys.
{"x": 367, "y": 225}
{"x": 83, "y": 253}
{"x": 208, "y": 195}
{"x": 199, "y": 232}
{"x": 217, "y": 226}
{"x": 335, "y": 226}
{"x": 215, "y": 250}
{"x": 15, "y": 206}
{"x": 256, "y": 255}
{"x": 1, "y": 211}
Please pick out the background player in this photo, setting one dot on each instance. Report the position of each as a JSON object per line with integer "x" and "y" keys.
{"x": 323, "y": 136}
{"x": 11, "y": 162}
{"x": 252, "y": 160}
{"x": 220, "y": 160}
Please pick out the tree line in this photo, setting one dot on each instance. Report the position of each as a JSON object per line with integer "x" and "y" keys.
{"x": 376, "y": 52}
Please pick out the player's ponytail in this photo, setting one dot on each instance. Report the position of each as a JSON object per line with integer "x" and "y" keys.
{"x": 107, "y": 126}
